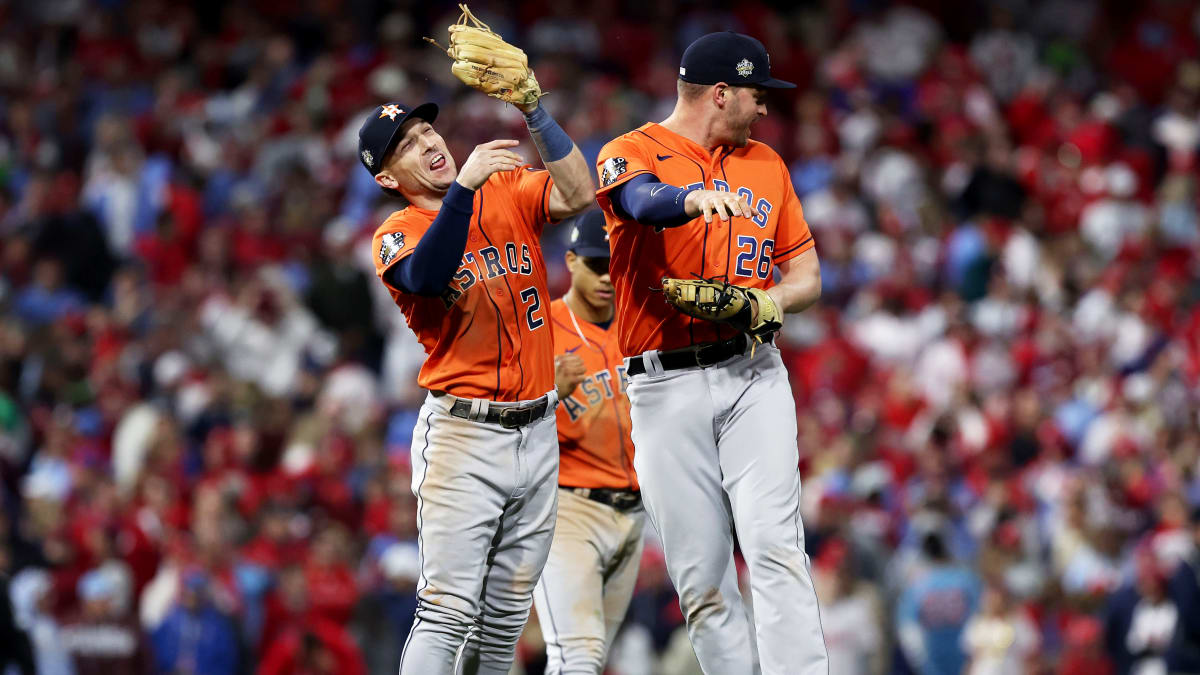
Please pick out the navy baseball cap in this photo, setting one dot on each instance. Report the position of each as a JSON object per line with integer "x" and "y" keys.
{"x": 588, "y": 237}
{"x": 380, "y": 133}
{"x": 728, "y": 57}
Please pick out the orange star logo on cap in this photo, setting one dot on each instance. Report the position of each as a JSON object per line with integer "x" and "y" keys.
{"x": 390, "y": 111}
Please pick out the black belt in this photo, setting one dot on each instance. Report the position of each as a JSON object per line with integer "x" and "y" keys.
{"x": 621, "y": 500}
{"x": 506, "y": 415}
{"x": 702, "y": 355}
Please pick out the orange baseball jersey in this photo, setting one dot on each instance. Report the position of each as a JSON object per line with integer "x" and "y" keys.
{"x": 487, "y": 335}
{"x": 744, "y": 250}
{"x": 595, "y": 450}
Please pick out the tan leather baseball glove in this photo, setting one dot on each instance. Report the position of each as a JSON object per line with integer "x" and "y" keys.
{"x": 723, "y": 302}
{"x": 484, "y": 61}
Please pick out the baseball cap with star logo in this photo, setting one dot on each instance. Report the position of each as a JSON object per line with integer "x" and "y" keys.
{"x": 381, "y": 131}
{"x": 729, "y": 57}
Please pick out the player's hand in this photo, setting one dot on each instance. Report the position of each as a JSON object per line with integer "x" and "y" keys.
{"x": 724, "y": 204}
{"x": 569, "y": 371}
{"x": 487, "y": 159}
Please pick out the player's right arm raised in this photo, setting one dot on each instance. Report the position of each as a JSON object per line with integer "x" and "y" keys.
{"x": 485, "y": 61}
{"x": 573, "y": 190}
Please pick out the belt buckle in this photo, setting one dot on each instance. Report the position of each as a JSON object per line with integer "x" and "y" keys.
{"x": 623, "y": 501}
{"x": 510, "y": 418}
{"x": 700, "y": 360}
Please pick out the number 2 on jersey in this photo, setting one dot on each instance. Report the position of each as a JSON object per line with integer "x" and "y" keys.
{"x": 528, "y": 295}
{"x": 749, "y": 252}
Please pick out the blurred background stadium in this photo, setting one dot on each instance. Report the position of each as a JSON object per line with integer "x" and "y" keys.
{"x": 206, "y": 400}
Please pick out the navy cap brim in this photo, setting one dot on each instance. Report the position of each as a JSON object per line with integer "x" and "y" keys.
{"x": 591, "y": 252}
{"x": 769, "y": 83}
{"x": 772, "y": 83}
{"x": 425, "y": 111}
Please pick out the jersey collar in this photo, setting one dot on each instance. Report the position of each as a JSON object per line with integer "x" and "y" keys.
{"x": 697, "y": 151}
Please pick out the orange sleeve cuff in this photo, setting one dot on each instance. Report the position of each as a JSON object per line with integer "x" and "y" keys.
{"x": 793, "y": 251}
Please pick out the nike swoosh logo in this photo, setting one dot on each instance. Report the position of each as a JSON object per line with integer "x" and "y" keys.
{"x": 662, "y": 157}
{"x": 574, "y": 349}
{"x": 660, "y": 188}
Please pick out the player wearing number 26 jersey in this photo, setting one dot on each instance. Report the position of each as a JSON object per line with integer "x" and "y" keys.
{"x": 463, "y": 263}
{"x": 744, "y": 250}
{"x": 714, "y": 421}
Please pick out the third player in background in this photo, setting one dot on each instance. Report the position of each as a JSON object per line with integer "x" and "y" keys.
{"x": 588, "y": 580}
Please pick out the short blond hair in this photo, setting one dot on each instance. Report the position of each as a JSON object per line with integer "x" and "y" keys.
{"x": 690, "y": 91}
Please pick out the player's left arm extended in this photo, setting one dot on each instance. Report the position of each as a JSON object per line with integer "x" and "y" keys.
{"x": 800, "y": 286}
{"x": 573, "y": 189}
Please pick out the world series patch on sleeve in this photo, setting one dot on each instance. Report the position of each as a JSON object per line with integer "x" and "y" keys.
{"x": 390, "y": 245}
{"x": 612, "y": 169}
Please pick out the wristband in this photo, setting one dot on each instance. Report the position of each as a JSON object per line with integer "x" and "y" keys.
{"x": 552, "y": 142}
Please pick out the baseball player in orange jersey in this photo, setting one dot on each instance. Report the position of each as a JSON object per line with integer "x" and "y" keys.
{"x": 589, "y": 578}
{"x": 714, "y": 421}
{"x": 463, "y": 263}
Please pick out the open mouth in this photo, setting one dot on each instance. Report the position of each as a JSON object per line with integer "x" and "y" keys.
{"x": 438, "y": 161}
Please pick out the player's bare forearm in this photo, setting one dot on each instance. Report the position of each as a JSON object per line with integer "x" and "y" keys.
{"x": 573, "y": 188}
{"x": 800, "y": 286}
{"x": 564, "y": 388}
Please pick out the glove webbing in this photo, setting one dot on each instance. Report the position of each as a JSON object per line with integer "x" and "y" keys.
{"x": 463, "y": 18}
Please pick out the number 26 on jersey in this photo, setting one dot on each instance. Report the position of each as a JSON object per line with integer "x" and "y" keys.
{"x": 754, "y": 258}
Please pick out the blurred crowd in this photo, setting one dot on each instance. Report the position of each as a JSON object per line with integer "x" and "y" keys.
{"x": 206, "y": 400}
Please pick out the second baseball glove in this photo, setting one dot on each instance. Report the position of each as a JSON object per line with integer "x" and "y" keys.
{"x": 723, "y": 302}
{"x": 484, "y": 61}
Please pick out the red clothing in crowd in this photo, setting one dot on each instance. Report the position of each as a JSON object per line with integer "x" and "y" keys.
{"x": 167, "y": 257}
{"x": 271, "y": 553}
{"x": 322, "y": 648}
{"x": 332, "y": 591}
{"x": 834, "y": 365}
{"x": 376, "y": 515}
{"x": 1086, "y": 664}
{"x": 252, "y": 249}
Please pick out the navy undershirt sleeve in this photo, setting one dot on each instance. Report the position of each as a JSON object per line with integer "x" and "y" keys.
{"x": 649, "y": 201}
{"x": 437, "y": 256}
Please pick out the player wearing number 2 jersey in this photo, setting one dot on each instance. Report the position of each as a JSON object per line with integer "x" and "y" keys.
{"x": 714, "y": 421}
{"x": 484, "y": 331}
{"x": 463, "y": 263}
